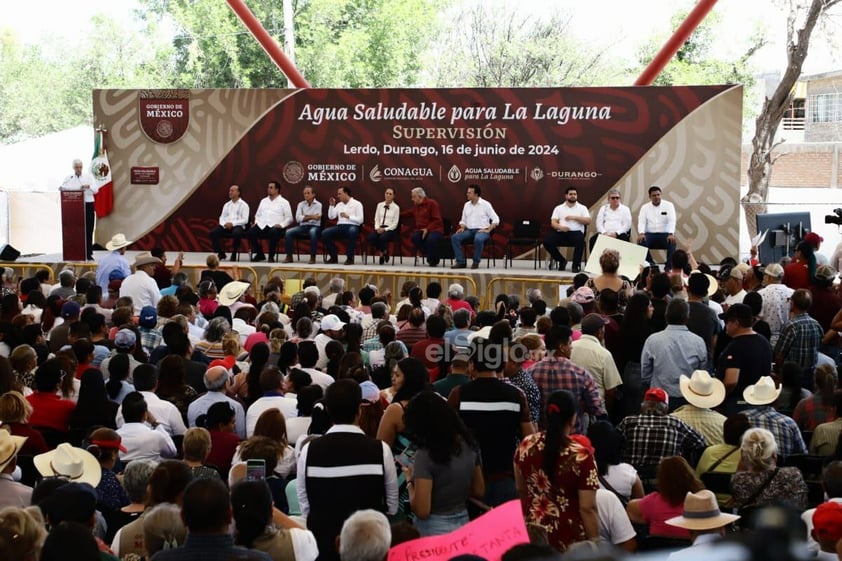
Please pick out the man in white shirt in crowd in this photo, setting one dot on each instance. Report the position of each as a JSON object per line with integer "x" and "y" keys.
{"x": 568, "y": 222}
{"x": 140, "y": 286}
{"x": 348, "y": 213}
{"x": 232, "y": 223}
{"x": 656, "y": 225}
{"x": 613, "y": 219}
{"x": 272, "y": 386}
{"x": 272, "y": 218}
{"x": 145, "y": 378}
{"x": 477, "y": 222}
{"x": 140, "y": 441}
{"x": 308, "y": 215}
{"x": 78, "y": 181}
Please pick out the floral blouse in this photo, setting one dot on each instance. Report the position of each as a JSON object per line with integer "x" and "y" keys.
{"x": 554, "y": 504}
{"x": 787, "y": 486}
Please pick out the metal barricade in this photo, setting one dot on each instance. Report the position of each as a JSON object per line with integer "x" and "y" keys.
{"x": 391, "y": 280}
{"x": 519, "y": 285}
{"x": 26, "y": 270}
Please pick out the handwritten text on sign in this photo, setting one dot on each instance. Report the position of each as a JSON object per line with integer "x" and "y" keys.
{"x": 489, "y": 536}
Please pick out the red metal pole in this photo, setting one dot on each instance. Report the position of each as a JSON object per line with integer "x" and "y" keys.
{"x": 693, "y": 19}
{"x": 268, "y": 43}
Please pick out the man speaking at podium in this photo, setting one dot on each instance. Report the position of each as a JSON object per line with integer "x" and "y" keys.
{"x": 78, "y": 181}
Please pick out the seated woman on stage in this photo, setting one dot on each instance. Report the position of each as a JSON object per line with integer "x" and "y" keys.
{"x": 386, "y": 226}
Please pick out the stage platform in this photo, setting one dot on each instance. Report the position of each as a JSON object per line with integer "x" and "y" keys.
{"x": 485, "y": 282}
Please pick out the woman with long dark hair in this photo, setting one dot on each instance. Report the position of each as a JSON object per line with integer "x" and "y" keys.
{"x": 171, "y": 385}
{"x": 409, "y": 378}
{"x": 220, "y": 421}
{"x": 633, "y": 333}
{"x": 557, "y": 479}
{"x": 614, "y": 475}
{"x": 93, "y": 407}
{"x": 257, "y": 527}
{"x": 447, "y": 469}
{"x": 117, "y": 385}
{"x": 258, "y": 357}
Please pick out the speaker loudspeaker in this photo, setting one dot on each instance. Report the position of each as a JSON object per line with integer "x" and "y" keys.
{"x": 8, "y": 253}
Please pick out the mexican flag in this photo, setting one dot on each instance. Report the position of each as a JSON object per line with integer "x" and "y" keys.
{"x": 101, "y": 172}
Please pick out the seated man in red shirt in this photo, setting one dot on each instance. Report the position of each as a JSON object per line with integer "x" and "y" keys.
{"x": 48, "y": 409}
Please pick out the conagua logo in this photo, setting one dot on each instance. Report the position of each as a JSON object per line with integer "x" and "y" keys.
{"x": 454, "y": 174}
{"x": 375, "y": 174}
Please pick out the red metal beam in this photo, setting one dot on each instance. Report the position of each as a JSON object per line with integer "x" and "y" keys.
{"x": 693, "y": 19}
{"x": 268, "y": 43}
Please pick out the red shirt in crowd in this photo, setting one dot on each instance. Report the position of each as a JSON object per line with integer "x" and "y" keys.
{"x": 49, "y": 410}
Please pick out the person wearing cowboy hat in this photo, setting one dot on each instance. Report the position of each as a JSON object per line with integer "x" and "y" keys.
{"x": 702, "y": 393}
{"x": 12, "y": 493}
{"x": 703, "y": 519}
{"x": 231, "y": 295}
{"x": 140, "y": 286}
{"x": 68, "y": 462}
{"x": 785, "y": 430}
{"x": 113, "y": 265}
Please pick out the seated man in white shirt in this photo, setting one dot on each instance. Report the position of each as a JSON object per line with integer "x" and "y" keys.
{"x": 568, "y": 221}
{"x": 165, "y": 413}
{"x": 613, "y": 220}
{"x": 232, "y": 223}
{"x": 348, "y": 213}
{"x": 477, "y": 222}
{"x": 140, "y": 441}
{"x": 218, "y": 381}
{"x": 272, "y": 384}
{"x": 656, "y": 225}
{"x": 273, "y": 217}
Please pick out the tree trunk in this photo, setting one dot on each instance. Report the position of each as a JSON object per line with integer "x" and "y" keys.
{"x": 763, "y": 143}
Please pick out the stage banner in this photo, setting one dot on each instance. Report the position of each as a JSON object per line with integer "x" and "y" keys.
{"x": 523, "y": 147}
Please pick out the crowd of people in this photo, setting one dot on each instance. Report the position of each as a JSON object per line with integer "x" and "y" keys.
{"x": 274, "y": 220}
{"x": 145, "y": 418}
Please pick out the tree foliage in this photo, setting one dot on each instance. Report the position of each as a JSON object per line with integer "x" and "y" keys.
{"x": 492, "y": 45}
{"x": 339, "y": 43}
{"x": 47, "y": 87}
{"x": 696, "y": 64}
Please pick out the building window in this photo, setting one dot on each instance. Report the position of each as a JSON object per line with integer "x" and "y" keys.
{"x": 826, "y": 108}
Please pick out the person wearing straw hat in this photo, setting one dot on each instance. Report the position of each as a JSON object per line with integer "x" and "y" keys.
{"x": 786, "y": 432}
{"x": 231, "y": 295}
{"x": 703, "y": 519}
{"x": 12, "y": 493}
{"x": 113, "y": 265}
{"x": 70, "y": 463}
{"x": 702, "y": 393}
{"x": 140, "y": 286}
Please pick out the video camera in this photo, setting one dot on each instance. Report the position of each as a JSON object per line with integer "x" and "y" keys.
{"x": 835, "y": 218}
